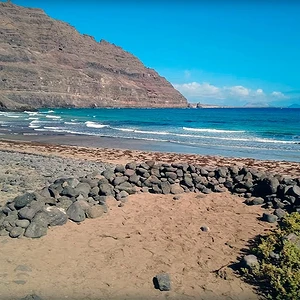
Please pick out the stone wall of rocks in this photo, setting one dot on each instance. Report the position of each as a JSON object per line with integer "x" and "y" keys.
{"x": 30, "y": 214}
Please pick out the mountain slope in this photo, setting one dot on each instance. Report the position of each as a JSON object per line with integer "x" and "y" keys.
{"x": 47, "y": 63}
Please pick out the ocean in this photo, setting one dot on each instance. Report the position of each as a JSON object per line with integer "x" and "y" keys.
{"x": 261, "y": 133}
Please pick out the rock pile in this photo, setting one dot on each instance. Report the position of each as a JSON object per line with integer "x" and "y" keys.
{"x": 30, "y": 214}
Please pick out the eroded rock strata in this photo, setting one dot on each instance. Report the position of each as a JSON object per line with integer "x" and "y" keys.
{"x": 47, "y": 63}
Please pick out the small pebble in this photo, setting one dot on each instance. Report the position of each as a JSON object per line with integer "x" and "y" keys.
{"x": 205, "y": 228}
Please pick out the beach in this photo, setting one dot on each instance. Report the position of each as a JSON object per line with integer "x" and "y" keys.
{"x": 116, "y": 256}
{"x": 166, "y": 171}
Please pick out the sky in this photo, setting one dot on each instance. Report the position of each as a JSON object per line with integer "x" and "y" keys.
{"x": 216, "y": 52}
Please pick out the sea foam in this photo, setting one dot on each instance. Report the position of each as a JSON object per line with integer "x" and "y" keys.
{"x": 211, "y": 130}
{"x": 94, "y": 125}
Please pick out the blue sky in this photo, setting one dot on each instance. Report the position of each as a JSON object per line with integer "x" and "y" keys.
{"x": 217, "y": 52}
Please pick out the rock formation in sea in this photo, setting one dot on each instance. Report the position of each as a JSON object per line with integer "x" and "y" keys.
{"x": 48, "y": 63}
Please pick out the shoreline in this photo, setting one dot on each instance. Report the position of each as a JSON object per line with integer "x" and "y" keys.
{"x": 116, "y": 151}
{"x": 161, "y": 232}
{"x": 182, "y": 132}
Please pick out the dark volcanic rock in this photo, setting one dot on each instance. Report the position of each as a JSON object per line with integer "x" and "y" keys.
{"x": 249, "y": 261}
{"x": 56, "y": 216}
{"x": 267, "y": 186}
{"x": 75, "y": 212}
{"x": 162, "y": 282}
{"x": 83, "y": 188}
{"x": 22, "y": 223}
{"x": 95, "y": 211}
{"x": 269, "y": 218}
{"x": 30, "y": 211}
{"x": 258, "y": 201}
{"x": 171, "y": 175}
{"x": 32, "y": 297}
{"x": 27, "y": 213}
{"x": 16, "y": 232}
{"x": 108, "y": 174}
{"x": 38, "y": 227}
{"x": 23, "y": 200}
{"x": 296, "y": 191}
{"x": 165, "y": 187}
{"x": 119, "y": 180}
{"x": 131, "y": 165}
{"x": 188, "y": 181}
{"x": 204, "y": 228}
{"x": 64, "y": 203}
{"x": 119, "y": 169}
{"x": 134, "y": 178}
{"x": 176, "y": 189}
{"x": 156, "y": 189}
{"x": 69, "y": 192}
{"x": 86, "y": 196}
{"x": 106, "y": 189}
{"x": 280, "y": 213}
{"x": 127, "y": 187}
{"x": 206, "y": 191}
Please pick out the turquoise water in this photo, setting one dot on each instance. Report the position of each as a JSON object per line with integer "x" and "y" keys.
{"x": 267, "y": 133}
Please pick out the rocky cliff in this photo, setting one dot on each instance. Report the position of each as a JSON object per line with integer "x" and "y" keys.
{"x": 47, "y": 63}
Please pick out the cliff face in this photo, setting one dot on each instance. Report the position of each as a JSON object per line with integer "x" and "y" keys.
{"x": 47, "y": 63}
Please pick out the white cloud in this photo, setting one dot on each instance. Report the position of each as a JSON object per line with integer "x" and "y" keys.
{"x": 201, "y": 90}
{"x": 279, "y": 95}
{"x": 230, "y": 95}
{"x": 260, "y": 92}
{"x": 237, "y": 90}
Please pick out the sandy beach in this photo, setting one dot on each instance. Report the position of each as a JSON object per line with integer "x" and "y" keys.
{"x": 117, "y": 256}
{"x": 117, "y": 151}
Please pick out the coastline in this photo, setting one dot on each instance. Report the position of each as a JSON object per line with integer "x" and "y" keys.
{"x": 117, "y": 254}
{"x": 182, "y": 131}
{"x": 116, "y": 150}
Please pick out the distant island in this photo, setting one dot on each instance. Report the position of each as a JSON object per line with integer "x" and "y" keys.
{"x": 249, "y": 105}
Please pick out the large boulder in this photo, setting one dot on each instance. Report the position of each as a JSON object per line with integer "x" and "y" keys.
{"x": 95, "y": 211}
{"x": 83, "y": 188}
{"x": 69, "y": 192}
{"x": 120, "y": 179}
{"x": 28, "y": 212}
{"x": 176, "y": 189}
{"x": 16, "y": 232}
{"x": 106, "y": 189}
{"x": 22, "y": 223}
{"x": 127, "y": 187}
{"x": 56, "y": 216}
{"x": 171, "y": 175}
{"x": 108, "y": 174}
{"x": 23, "y": 200}
{"x": 165, "y": 187}
{"x": 188, "y": 181}
{"x": 76, "y": 213}
{"x": 267, "y": 186}
{"x": 38, "y": 226}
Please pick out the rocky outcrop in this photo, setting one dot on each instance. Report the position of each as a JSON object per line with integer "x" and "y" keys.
{"x": 47, "y": 63}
